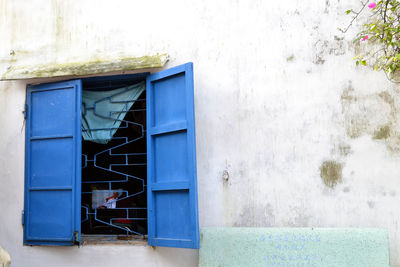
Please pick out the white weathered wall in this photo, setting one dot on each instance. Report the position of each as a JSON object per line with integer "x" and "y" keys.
{"x": 278, "y": 103}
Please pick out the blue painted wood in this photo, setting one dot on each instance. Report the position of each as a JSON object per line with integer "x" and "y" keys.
{"x": 170, "y": 186}
{"x": 172, "y": 127}
{"x": 53, "y": 164}
{"x": 171, "y": 159}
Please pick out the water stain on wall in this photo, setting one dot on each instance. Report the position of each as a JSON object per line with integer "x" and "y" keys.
{"x": 340, "y": 149}
{"x": 344, "y": 149}
{"x": 290, "y": 58}
{"x": 320, "y": 47}
{"x": 371, "y": 204}
{"x": 256, "y": 216}
{"x": 327, "y": 5}
{"x": 373, "y": 114}
{"x": 382, "y": 133}
{"x": 331, "y": 173}
{"x": 298, "y": 217}
{"x": 324, "y": 48}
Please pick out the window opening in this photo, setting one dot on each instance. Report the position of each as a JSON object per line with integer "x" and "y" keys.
{"x": 114, "y": 197}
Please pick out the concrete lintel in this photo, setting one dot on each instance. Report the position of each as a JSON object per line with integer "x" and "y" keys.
{"x": 84, "y": 68}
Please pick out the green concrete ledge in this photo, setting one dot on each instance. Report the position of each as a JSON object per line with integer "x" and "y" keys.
{"x": 84, "y": 68}
{"x": 325, "y": 247}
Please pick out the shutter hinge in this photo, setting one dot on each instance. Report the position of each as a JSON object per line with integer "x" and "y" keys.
{"x": 23, "y": 218}
{"x": 25, "y": 111}
{"x": 75, "y": 237}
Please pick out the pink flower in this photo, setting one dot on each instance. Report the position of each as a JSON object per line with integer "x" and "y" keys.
{"x": 365, "y": 38}
{"x": 372, "y": 5}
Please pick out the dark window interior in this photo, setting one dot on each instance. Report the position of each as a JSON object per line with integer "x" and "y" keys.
{"x": 116, "y": 172}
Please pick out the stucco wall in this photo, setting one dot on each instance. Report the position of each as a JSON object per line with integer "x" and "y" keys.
{"x": 289, "y": 131}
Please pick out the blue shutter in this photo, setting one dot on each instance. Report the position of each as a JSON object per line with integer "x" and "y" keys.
{"x": 53, "y": 164}
{"x": 171, "y": 159}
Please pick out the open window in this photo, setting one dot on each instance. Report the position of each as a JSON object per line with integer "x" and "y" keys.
{"x": 112, "y": 157}
{"x": 114, "y": 160}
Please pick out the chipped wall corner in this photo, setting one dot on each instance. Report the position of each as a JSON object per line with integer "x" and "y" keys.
{"x": 5, "y": 259}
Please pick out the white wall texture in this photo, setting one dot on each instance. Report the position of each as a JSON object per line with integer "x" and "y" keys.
{"x": 278, "y": 98}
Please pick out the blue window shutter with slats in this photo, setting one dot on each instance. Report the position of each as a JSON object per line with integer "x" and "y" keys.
{"x": 53, "y": 164}
{"x": 171, "y": 158}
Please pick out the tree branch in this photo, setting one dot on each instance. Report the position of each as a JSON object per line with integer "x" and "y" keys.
{"x": 354, "y": 18}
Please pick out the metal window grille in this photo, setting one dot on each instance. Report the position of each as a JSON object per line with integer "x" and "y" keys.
{"x": 116, "y": 169}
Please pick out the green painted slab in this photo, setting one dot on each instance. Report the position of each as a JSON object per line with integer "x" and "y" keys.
{"x": 284, "y": 247}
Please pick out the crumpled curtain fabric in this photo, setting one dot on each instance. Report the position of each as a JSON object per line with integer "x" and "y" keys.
{"x": 103, "y": 111}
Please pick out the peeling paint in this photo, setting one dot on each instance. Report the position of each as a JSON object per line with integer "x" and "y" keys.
{"x": 331, "y": 173}
{"x": 227, "y": 198}
{"x": 225, "y": 175}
